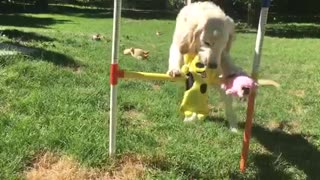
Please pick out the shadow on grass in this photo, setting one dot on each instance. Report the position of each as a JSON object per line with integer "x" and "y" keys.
{"x": 24, "y": 36}
{"x": 267, "y": 167}
{"x": 43, "y": 54}
{"x": 19, "y": 20}
{"x": 217, "y": 120}
{"x": 294, "y": 149}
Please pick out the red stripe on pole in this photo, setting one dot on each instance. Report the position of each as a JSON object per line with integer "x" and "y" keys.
{"x": 114, "y": 74}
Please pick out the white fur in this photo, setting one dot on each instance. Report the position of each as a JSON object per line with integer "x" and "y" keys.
{"x": 203, "y": 28}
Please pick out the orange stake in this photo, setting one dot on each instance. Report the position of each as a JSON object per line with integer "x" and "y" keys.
{"x": 247, "y": 132}
{"x": 255, "y": 69}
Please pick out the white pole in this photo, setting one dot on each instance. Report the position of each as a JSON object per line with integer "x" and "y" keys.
{"x": 259, "y": 40}
{"x": 113, "y": 85}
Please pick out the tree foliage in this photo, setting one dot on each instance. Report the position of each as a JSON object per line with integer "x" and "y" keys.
{"x": 42, "y": 4}
{"x": 239, "y": 9}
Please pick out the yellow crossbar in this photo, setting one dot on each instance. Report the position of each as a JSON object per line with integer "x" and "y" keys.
{"x": 151, "y": 76}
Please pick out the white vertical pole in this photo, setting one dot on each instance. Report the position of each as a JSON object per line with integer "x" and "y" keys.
{"x": 259, "y": 40}
{"x": 113, "y": 74}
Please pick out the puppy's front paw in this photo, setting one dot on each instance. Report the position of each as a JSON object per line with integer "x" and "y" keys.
{"x": 174, "y": 72}
{"x": 234, "y": 128}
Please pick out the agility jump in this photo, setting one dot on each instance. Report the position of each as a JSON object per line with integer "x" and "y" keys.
{"x": 189, "y": 105}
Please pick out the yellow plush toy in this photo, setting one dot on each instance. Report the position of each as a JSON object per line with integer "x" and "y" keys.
{"x": 194, "y": 105}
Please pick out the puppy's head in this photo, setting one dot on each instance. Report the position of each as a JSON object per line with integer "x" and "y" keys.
{"x": 217, "y": 37}
{"x": 209, "y": 37}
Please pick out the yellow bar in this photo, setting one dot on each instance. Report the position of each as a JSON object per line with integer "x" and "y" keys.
{"x": 151, "y": 76}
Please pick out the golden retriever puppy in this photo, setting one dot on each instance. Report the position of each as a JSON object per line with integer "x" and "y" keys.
{"x": 203, "y": 28}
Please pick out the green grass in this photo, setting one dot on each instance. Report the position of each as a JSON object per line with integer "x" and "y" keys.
{"x": 57, "y": 99}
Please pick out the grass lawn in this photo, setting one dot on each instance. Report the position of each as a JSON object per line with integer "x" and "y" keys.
{"x": 54, "y": 97}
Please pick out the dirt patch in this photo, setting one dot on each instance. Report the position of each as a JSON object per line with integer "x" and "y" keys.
{"x": 77, "y": 70}
{"x": 131, "y": 168}
{"x": 50, "y": 166}
{"x": 156, "y": 87}
{"x": 290, "y": 127}
{"x": 298, "y": 109}
{"x": 5, "y": 108}
{"x": 215, "y": 110}
{"x": 133, "y": 114}
{"x": 298, "y": 93}
{"x": 136, "y": 118}
{"x": 274, "y": 126}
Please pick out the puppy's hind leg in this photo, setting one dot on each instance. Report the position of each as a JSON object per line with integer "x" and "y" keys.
{"x": 229, "y": 111}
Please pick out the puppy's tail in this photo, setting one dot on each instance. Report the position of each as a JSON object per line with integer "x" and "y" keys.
{"x": 268, "y": 82}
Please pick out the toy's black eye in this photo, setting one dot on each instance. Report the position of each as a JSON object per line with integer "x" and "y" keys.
{"x": 213, "y": 65}
{"x": 199, "y": 65}
{"x": 246, "y": 91}
{"x": 203, "y": 88}
{"x": 207, "y": 43}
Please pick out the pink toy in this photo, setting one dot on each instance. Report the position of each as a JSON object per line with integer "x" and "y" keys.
{"x": 239, "y": 85}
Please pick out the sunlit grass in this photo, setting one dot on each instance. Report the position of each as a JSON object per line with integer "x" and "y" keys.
{"x": 57, "y": 99}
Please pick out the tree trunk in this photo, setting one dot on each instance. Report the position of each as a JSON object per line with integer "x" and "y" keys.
{"x": 166, "y": 5}
{"x": 220, "y": 3}
{"x": 253, "y": 15}
{"x": 186, "y": 2}
{"x": 42, "y": 5}
{"x": 250, "y": 15}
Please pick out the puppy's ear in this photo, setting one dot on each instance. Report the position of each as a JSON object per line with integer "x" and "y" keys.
{"x": 190, "y": 40}
{"x": 184, "y": 45}
{"x": 230, "y": 27}
{"x": 185, "y": 41}
{"x": 194, "y": 40}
